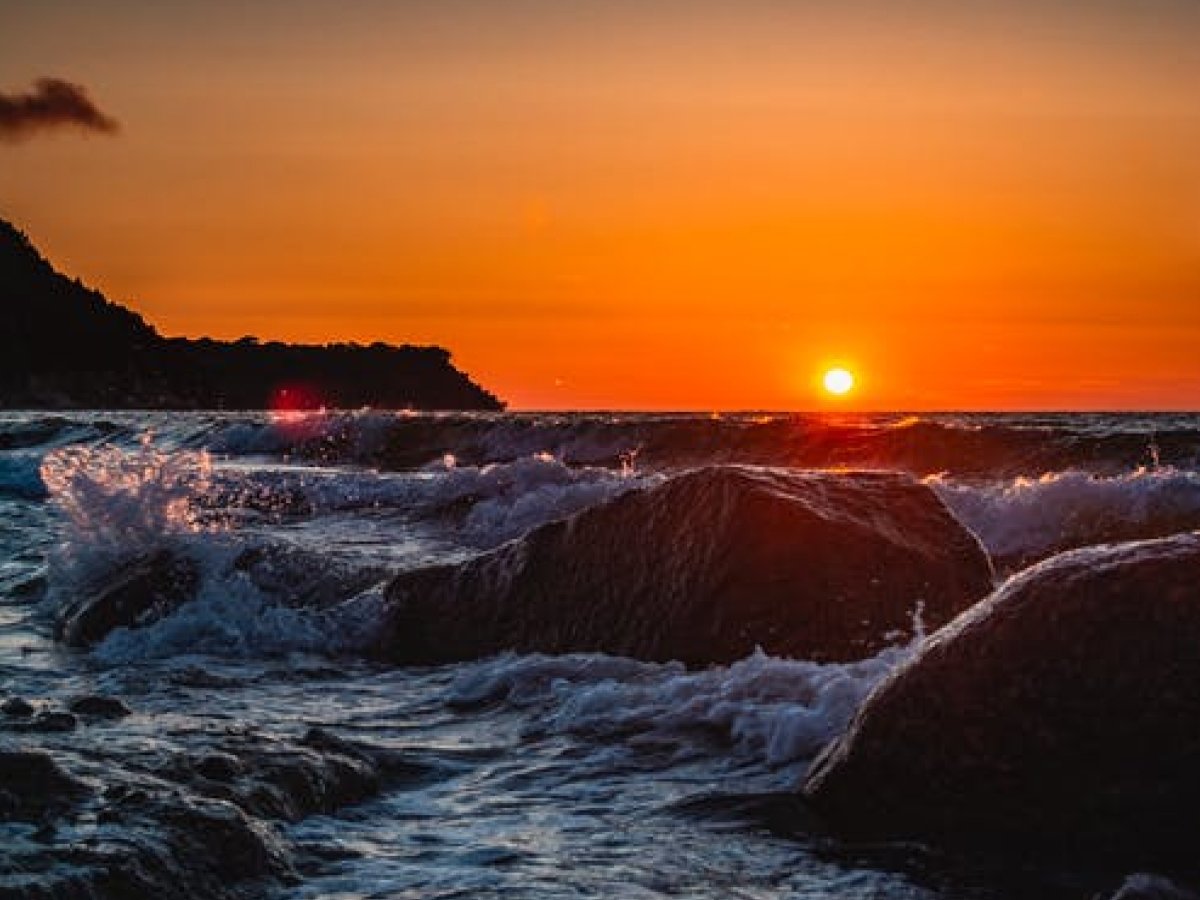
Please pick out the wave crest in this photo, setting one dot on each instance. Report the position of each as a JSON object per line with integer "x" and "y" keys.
{"x": 1024, "y": 519}
{"x": 775, "y": 710}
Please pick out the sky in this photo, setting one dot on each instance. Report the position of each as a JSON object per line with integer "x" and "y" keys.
{"x": 644, "y": 205}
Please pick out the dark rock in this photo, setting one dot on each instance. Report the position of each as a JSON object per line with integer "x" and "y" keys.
{"x": 704, "y": 568}
{"x": 321, "y": 739}
{"x": 141, "y": 592}
{"x": 306, "y": 579}
{"x": 280, "y": 779}
{"x": 394, "y": 766}
{"x": 99, "y": 706}
{"x": 220, "y": 831}
{"x": 30, "y": 588}
{"x": 182, "y": 848}
{"x": 46, "y": 722}
{"x": 219, "y": 766}
{"x": 296, "y": 782}
{"x": 196, "y": 677}
{"x": 33, "y": 785}
{"x": 17, "y": 707}
{"x": 177, "y": 828}
{"x": 1062, "y": 715}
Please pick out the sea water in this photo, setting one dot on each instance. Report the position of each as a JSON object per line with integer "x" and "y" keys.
{"x": 528, "y": 775}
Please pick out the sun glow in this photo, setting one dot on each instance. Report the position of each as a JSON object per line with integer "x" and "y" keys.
{"x": 838, "y": 381}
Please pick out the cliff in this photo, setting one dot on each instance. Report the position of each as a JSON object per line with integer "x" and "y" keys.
{"x": 65, "y": 346}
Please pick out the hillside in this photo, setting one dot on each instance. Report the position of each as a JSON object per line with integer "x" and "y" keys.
{"x": 65, "y": 346}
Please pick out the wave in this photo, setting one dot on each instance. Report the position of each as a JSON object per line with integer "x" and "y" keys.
{"x": 777, "y": 711}
{"x": 128, "y": 499}
{"x": 984, "y": 445}
{"x": 1025, "y": 519}
{"x": 121, "y": 503}
{"x": 165, "y": 544}
{"x": 270, "y": 591}
{"x": 232, "y": 616}
{"x": 979, "y": 446}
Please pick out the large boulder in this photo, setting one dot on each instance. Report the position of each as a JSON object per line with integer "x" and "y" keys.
{"x": 703, "y": 568}
{"x": 1060, "y": 715}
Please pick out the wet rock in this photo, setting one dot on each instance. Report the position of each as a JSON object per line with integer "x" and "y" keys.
{"x": 46, "y": 722}
{"x": 29, "y": 589}
{"x": 283, "y": 780}
{"x": 99, "y": 706}
{"x": 1060, "y": 715}
{"x": 220, "y": 831}
{"x": 196, "y": 677}
{"x": 176, "y": 827}
{"x": 219, "y": 767}
{"x": 17, "y": 707}
{"x": 139, "y": 593}
{"x": 703, "y": 569}
{"x": 33, "y": 785}
{"x": 306, "y": 579}
{"x": 177, "y": 847}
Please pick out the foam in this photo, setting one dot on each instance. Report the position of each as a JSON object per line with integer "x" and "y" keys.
{"x": 231, "y": 617}
{"x": 1032, "y": 517}
{"x": 771, "y": 710}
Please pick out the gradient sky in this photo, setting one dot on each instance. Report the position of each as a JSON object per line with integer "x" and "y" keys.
{"x": 646, "y": 204}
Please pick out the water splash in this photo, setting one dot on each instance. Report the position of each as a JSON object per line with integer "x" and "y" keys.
{"x": 128, "y": 500}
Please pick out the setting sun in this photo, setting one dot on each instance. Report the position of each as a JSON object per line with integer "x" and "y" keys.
{"x": 838, "y": 381}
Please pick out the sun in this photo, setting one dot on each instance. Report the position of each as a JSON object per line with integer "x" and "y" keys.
{"x": 838, "y": 381}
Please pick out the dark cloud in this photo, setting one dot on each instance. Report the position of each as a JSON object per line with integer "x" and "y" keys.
{"x": 53, "y": 103}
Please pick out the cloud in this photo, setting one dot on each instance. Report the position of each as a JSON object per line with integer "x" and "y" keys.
{"x": 53, "y": 103}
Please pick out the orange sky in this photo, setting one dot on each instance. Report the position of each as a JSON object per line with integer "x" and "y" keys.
{"x": 647, "y": 205}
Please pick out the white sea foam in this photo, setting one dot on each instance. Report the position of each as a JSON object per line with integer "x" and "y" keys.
{"x": 486, "y": 505}
{"x": 516, "y": 497}
{"x": 232, "y": 617}
{"x": 777, "y": 711}
{"x": 130, "y": 499}
{"x": 1032, "y": 517}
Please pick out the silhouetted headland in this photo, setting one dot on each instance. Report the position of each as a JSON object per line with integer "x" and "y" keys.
{"x": 65, "y": 346}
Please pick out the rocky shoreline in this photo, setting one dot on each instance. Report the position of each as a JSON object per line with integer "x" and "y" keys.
{"x": 203, "y": 823}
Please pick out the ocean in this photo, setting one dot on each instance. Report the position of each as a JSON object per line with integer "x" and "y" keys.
{"x": 266, "y": 748}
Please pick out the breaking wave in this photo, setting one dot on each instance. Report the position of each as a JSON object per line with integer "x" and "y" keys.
{"x": 1024, "y": 519}
{"x": 777, "y": 711}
